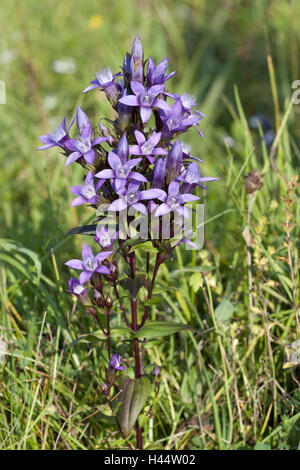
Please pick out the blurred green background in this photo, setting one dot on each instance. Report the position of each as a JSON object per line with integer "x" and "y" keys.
{"x": 239, "y": 58}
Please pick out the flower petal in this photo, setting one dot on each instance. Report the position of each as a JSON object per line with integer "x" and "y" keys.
{"x": 85, "y": 276}
{"x": 137, "y": 87}
{"x": 145, "y": 113}
{"x": 74, "y": 263}
{"x": 73, "y": 157}
{"x": 90, "y": 156}
{"x": 130, "y": 100}
{"x": 86, "y": 252}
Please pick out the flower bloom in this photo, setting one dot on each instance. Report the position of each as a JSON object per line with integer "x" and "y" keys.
{"x": 120, "y": 172}
{"x": 175, "y": 201}
{"x": 115, "y": 362}
{"x": 89, "y": 264}
{"x": 133, "y": 197}
{"x": 146, "y": 99}
{"x": 83, "y": 145}
{"x": 57, "y": 138}
{"x": 147, "y": 147}
{"x": 86, "y": 193}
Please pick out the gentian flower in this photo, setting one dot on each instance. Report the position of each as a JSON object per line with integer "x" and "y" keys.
{"x": 174, "y": 161}
{"x": 58, "y": 138}
{"x": 147, "y": 148}
{"x": 132, "y": 197}
{"x": 175, "y": 201}
{"x": 156, "y": 75}
{"x": 177, "y": 120}
{"x": 103, "y": 237}
{"x": 156, "y": 371}
{"x": 86, "y": 193}
{"x": 75, "y": 287}
{"x": 105, "y": 80}
{"x": 192, "y": 176}
{"x": 159, "y": 173}
{"x": 89, "y": 264}
{"x": 83, "y": 146}
{"x": 146, "y": 99}
{"x": 121, "y": 172}
{"x": 137, "y": 61}
{"x": 115, "y": 363}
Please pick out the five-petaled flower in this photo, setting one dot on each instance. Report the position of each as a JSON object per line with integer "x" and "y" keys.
{"x": 146, "y": 99}
{"x": 86, "y": 193}
{"x": 133, "y": 197}
{"x": 148, "y": 147}
{"x": 89, "y": 264}
{"x": 57, "y": 138}
{"x": 83, "y": 145}
{"x": 174, "y": 201}
{"x": 115, "y": 362}
{"x": 121, "y": 172}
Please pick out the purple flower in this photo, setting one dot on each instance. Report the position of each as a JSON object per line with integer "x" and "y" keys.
{"x": 137, "y": 61}
{"x": 83, "y": 146}
{"x": 147, "y": 148}
{"x": 175, "y": 201}
{"x": 146, "y": 99}
{"x": 121, "y": 172}
{"x": 115, "y": 363}
{"x": 174, "y": 161}
{"x": 89, "y": 264}
{"x": 57, "y": 138}
{"x": 132, "y": 197}
{"x": 178, "y": 120}
{"x": 105, "y": 80}
{"x": 192, "y": 176}
{"x": 156, "y": 75}
{"x": 75, "y": 287}
{"x": 156, "y": 371}
{"x": 159, "y": 173}
{"x": 103, "y": 237}
{"x": 87, "y": 192}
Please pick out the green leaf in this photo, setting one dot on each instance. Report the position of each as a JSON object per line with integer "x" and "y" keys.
{"x": 145, "y": 246}
{"x": 156, "y": 329}
{"x": 134, "y": 396}
{"x": 134, "y": 285}
{"x": 98, "y": 335}
{"x": 83, "y": 230}
{"x": 224, "y": 311}
{"x": 155, "y": 300}
{"x": 196, "y": 281}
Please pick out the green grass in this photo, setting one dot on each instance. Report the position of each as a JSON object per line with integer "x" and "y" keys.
{"x": 229, "y": 385}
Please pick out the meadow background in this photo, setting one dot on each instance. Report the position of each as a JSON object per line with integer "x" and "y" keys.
{"x": 235, "y": 383}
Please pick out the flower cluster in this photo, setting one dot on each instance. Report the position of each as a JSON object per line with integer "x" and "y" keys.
{"x": 136, "y": 161}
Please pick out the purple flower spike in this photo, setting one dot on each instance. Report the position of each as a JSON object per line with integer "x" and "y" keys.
{"x": 175, "y": 201}
{"x": 137, "y": 61}
{"x": 89, "y": 264}
{"x": 58, "y": 138}
{"x": 115, "y": 363}
{"x": 146, "y": 99}
{"x": 121, "y": 172}
{"x": 147, "y": 148}
{"x": 86, "y": 193}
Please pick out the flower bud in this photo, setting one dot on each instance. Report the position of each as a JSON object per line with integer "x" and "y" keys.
{"x": 156, "y": 372}
{"x": 174, "y": 161}
{"x": 137, "y": 61}
{"x": 158, "y": 174}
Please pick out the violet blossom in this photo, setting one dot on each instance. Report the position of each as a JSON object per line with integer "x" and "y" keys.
{"x": 89, "y": 264}
{"x": 175, "y": 201}
{"x": 57, "y": 138}
{"x": 86, "y": 193}
{"x": 148, "y": 147}
{"x": 145, "y": 99}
